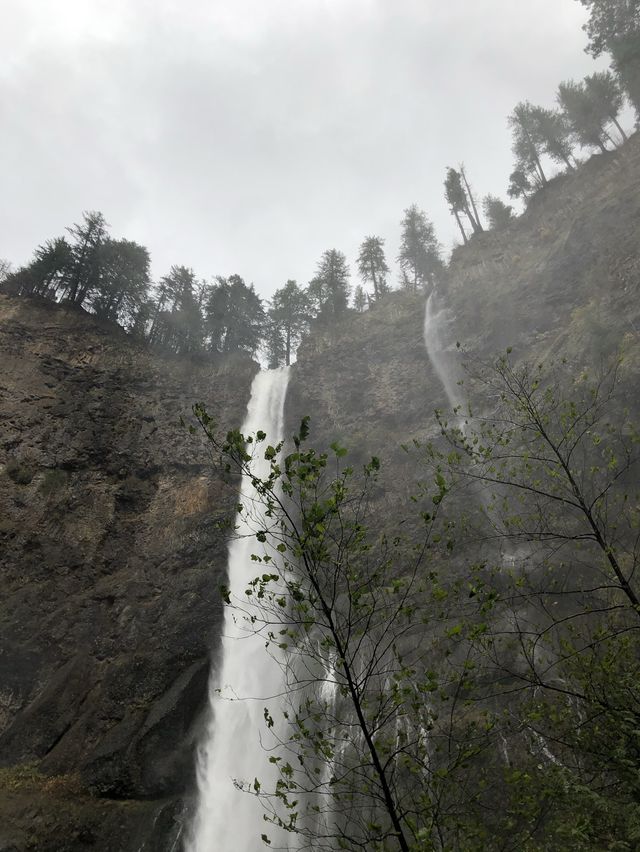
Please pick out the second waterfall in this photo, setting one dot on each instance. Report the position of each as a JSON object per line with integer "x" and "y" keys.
{"x": 246, "y": 680}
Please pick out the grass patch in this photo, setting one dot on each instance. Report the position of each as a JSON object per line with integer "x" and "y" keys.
{"x": 26, "y": 778}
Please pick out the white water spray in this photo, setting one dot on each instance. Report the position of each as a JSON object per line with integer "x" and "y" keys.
{"x": 237, "y": 742}
{"x": 440, "y": 351}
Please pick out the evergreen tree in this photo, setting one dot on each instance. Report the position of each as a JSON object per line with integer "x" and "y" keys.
{"x": 519, "y": 185}
{"x": 359, "y": 298}
{"x": 47, "y": 271}
{"x": 606, "y": 97}
{"x": 234, "y": 316}
{"x": 476, "y": 223}
{"x": 329, "y": 291}
{"x": 554, "y": 134}
{"x": 587, "y": 123}
{"x": 287, "y": 319}
{"x": 82, "y": 276}
{"x": 458, "y": 195}
{"x": 527, "y": 146}
{"x": 124, "y": 280}
{"x": 420, "y": 261}
{"x": 372, "y": 265}
{"x": 177, "y": 324}
{"x": 274, "y": 343}
{"x": 499, "y": 215}
{"x": 538, "y": 131}
{"x": 456, "y": 198}
{"x": 614, "y": 27}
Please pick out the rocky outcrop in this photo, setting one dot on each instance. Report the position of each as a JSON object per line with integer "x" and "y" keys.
{"x": 563, "y": 279}
{"x": 111, "y": 556}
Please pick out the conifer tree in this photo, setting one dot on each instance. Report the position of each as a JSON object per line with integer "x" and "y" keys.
{"x": 45, "y": 275}
{"x": 372, "y": 265}
{"x": 124, "y": 280}
{"x": 359, "y": 298}
{"x": 329, "y": 291}
{"x": 287, "y": 319}
{"x": 614, "y": 27}
{"x": 458, "y": 195}
{"x": 499, "y": 215}
{"x": 82, "y": 278}
{"x": 234, "y": 316}
{"x": 455, "y": 197}
{"x": 177, "y": 324}
{"x": 606, "y": 97}
{"x": 527, "y": 146}
{"x": 519, "y": 185}
{"x": 476, "y": 223}
{"x": 554, "y": 134}
{"x": 587, "y": 123}
{"x": 419, "y": 258}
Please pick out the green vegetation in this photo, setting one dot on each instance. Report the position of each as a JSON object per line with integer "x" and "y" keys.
{"x": 472, "y": 685}
{"x": 26, "y": 778}
{"x": 20, "y": 471}
{"x": 614, "y": 28}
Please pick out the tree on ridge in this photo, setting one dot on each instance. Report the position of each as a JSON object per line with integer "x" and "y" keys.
{"x": 372, "y": 265}
{"x": 614, "y": 27}
{"x": 329, "y": 290}
{"x": 288, "y": 317}
{"x": 419, "y": 258}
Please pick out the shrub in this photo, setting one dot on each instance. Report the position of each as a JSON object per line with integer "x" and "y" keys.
{"x": 19, "y": 471}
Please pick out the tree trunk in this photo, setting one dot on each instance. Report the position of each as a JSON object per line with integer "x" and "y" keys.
{"x": 374, "y": 282}
{"x": 541, "y": 173}
{"x": 464, "y": 236}
{"x": 536, "y": 158}
{"x": 625, "y": 138}
{"x": 477, "y": 224}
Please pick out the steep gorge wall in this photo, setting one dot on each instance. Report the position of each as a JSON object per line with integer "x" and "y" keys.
{"x": 562, "y": 281}
{"x": 110, "y": 563}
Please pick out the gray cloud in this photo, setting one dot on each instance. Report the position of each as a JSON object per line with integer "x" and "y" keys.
{"x": 249, "y": 136}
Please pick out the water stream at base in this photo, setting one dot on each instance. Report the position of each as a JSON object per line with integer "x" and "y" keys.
{"x": 246, "y": 680}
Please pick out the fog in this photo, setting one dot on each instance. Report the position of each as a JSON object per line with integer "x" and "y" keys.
{"x": 249, "y": 136}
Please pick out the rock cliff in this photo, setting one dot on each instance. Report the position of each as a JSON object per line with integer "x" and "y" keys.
{"x": 111, "y": 557}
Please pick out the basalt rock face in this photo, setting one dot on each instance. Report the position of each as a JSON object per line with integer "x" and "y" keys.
{"x": 111, "y": 557}
{"x": 563, "y": 279}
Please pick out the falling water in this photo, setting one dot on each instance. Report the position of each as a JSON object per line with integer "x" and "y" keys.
{"x": 440, "y": 351}
{"x": 236, "y": 745}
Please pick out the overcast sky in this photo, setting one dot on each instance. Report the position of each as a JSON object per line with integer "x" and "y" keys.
{"x": 249, "y": 136}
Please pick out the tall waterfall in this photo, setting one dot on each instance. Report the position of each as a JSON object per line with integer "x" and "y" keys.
{"x": 247, "y": 679}
{"x": 437, "y": 319}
